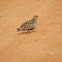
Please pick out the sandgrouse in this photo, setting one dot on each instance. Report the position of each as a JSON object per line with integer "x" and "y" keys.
{"x": 29, "y": 25}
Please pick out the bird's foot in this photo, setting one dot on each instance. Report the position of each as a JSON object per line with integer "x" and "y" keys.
{"x": 29, "y": 31}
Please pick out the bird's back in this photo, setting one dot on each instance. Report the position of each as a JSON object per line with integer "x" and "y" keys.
{"x": 29, "y": 25}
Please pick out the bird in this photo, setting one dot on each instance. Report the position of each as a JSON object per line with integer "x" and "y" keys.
{"x": 29, "y": 25}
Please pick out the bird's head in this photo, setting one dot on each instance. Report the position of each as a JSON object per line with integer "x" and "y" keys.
{"x": 35, "y": 16}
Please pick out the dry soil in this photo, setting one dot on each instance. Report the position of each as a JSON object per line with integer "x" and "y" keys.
{"x": 44, "y": 44}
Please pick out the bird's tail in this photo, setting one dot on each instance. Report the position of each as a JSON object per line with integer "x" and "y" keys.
{"x": 19, "y": 29}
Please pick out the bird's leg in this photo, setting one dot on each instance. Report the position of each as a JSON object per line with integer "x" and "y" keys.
{"x": 29, "y": 31}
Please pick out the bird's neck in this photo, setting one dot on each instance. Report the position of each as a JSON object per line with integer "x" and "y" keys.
{"x": 35, "y": 20}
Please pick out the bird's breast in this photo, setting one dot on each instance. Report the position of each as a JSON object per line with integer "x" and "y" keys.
{"x": 35, "y": 25}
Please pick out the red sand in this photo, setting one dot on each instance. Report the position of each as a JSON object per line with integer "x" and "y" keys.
{"x": 44, "y": 44}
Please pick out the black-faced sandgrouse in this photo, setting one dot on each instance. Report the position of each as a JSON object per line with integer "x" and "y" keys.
{"x": 29, "y": 25}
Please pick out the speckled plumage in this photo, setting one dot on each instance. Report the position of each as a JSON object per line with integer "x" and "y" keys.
{"x": 29, "y": 25}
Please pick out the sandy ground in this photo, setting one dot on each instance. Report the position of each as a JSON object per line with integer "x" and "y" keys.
{"x": 44, "y": 44}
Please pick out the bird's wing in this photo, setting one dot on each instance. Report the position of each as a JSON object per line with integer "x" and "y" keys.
{"x": 29, "y": 22}
{"x": 27, "y": 25}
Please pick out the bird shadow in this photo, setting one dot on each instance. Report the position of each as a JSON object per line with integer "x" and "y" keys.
{"x": 26, "y": 32}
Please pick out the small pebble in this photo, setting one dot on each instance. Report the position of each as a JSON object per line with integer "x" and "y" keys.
{"x": 50, "y": 52}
